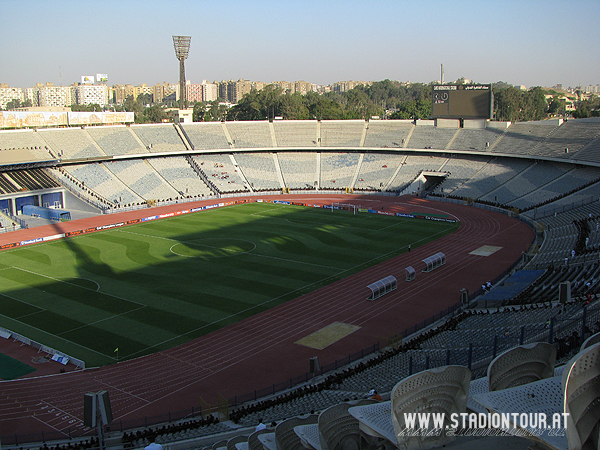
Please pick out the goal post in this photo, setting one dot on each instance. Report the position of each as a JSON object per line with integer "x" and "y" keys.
{"x": 344, "y": 207}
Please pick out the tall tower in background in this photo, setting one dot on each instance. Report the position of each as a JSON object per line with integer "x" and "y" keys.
{"x": 182, "y": 50}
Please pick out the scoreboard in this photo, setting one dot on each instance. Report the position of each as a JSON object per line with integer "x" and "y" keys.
{"x": 464, "y": 101}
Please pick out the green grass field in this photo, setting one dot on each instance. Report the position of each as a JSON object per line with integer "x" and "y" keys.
{"x": 151, "y": 286}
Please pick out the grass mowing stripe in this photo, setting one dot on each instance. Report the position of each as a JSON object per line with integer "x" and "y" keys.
{"x": 40, "y": 335}
{"x": 236, "y": 264}
{"x": 52, "y": 323}
{"x": 88, "y": 297}
{"x": 16, "y": 308}
{"x": 105, "y": 342}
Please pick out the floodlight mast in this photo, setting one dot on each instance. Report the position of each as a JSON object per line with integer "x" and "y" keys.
{"x": 182, "y": 50}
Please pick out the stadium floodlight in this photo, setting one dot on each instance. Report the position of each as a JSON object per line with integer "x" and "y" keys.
{"x": 182, "y": 50}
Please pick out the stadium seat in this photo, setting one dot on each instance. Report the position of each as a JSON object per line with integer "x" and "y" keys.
{"x": 576, "y": 392}
{"x": 309, "y": 436}
{"x": 232, "y": 443}
{"x": 440, "y": 390}
{"x": 268, "y": 441}
{"x": 339, "y": 430}
{"x": 522, "y": 364}
{"x": 593, "y": 339}
{"x": 254, "y": 443}
{"x": 285, "y": 436}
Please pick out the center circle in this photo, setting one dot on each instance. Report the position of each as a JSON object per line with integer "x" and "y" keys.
{"x": 213, "y": 248}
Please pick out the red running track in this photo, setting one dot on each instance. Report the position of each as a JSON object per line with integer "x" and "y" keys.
{"x": 260, "y": 351}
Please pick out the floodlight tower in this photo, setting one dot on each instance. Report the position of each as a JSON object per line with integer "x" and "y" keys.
{"x": 182, "y": 50}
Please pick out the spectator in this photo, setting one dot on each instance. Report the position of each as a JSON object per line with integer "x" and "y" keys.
{"x": 375, "y": 395}
{"x": 260, "y": 426}
{"x": 152, "y": 445}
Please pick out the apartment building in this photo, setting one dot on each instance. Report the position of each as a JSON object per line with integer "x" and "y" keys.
{"x": 8, "y": 94}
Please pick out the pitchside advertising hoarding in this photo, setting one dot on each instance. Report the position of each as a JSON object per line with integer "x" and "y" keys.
{"x": 465, "y": 101}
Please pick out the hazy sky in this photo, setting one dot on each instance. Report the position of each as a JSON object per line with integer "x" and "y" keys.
{"x": 528, "y": 42}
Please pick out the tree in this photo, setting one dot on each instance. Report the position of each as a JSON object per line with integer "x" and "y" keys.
{"x": 94, "y": 107}
{"x": 152, "y": 114}
{"x": 293, "y": 107}
{"x": 413, "y": 110}
{"x": 144, "y": 99}
{"x": 216, "y": 111}
{"x": 516, "y": 105}
{"x": 320, "y": 107}
{"x": 535, "y": 106}
{"x": 198, "y": 112}
{"x": 132, "y": 106}
{"x": 249, "y": 107}
{"x": 557, "y": 105}
{"x": 13, "y": 104}
{"x": 507, "y": 104}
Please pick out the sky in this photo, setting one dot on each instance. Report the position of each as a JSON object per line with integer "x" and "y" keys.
{"x": 526, "y": 42}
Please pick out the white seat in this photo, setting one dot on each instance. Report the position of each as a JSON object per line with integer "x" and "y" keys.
{"x": 254, "y": 443}
{"x": 286, "y": 438}
{"x": 232, "y": 443}
{"x": 241, "y": 446}
{"x": 593, "y": 339}
{"x": 309, "y": 436}
{"x": 582, "y": 399}
{"x": 376, "y": 420}
{"x": 268, "y": 441}
{"x": 518, "y": 365}
{"x": 338, "y": 429}
{"x": 478, "y": 386}
{"x": 576, "y": 392}
{"x": 439, "y": 390}
{"x": 522, "y": 364}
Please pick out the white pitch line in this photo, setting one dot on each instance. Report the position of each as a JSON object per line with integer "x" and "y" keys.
{"x": 101, "y": 320}
{"x": 298, "y": 262}
{"x": 61, "y": 338}
{"x": 82, "y": 287}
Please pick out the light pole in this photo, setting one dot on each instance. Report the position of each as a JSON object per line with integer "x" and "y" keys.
{"x": 182, "y": 50}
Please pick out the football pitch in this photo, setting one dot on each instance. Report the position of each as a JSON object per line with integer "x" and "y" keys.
{"x": 150, "y": 286}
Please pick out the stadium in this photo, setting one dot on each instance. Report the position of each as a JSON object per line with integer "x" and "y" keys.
{"x": 229, "y": 265}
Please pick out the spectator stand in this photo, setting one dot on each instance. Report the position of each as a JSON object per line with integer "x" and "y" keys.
{"x": 410, "y": 273}
{"x": 433, "y": 262}
{"x": 382, "y": 287}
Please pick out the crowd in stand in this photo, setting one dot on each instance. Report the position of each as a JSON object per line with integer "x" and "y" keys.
{"x": 566, "y": 345}
{"x": 129, "y": 438}
{"x": 81, "y": 445}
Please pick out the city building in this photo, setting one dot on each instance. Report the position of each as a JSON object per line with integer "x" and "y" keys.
{"x": 303, "y": 87}
{"x": 50, "y": 95}
{"x": 7, "y": 94}
{"x": 161, "y": 91}
{"x": 344, "y": 86}
{"x": 90, "y": 94}
{"x": 284, "y": 85}
{"x": 194, "y": 92}
{"x": 210, "y": 91}
{"x": 143, "y": 89}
